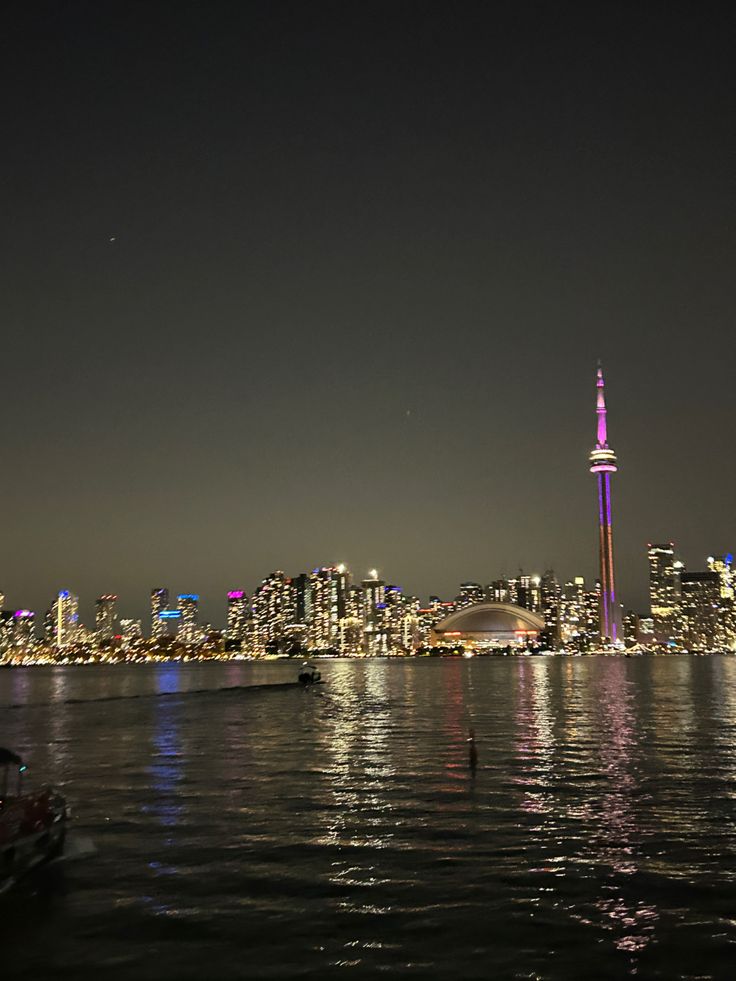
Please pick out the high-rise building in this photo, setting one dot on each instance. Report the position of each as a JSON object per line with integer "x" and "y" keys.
{"x": 273, "y": 612}
{"x": 302, "y": 598}
{"x": 722, "y": 565}
{"x": 374, "y": 614}
{"x": 65, "y": 618}
{"x": 550, "y": 597}
{"x": 330, "y": 588}
{"x": 237, "y": 617}
{"x": 603, "y": 464}
{"x": 106, "y": 617}
{"x": 704, "y": 629}
{"x": 131, "y": 632}
{"x": 498, "y": 591}
{"x": 159, "y": 603}
{"x": 664, "y": 591}
{"x": 528, "y": 592}
{"x": 188, "y": 604}
{"x": 23, "y": 621}
{"x": 470, "y": 594}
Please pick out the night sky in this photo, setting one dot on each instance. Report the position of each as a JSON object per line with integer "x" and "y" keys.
{"x": 293, "y": 283}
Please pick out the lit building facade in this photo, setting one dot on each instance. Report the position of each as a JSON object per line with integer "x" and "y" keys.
{"x": 702, "y": 612}
{"x": 272, "y": 613}
{"x": 664, "y": 592}
{"x": 188, "y": 604}
{"x": 65, "y": 619}
{"x": 159, "y": 603}
{"x": 22, "y": 633}
{"x": 237, "y": 618}
{"x": 106, "y": 617}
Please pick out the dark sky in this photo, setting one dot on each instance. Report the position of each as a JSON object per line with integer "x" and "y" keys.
{"x": 288, "y": 283}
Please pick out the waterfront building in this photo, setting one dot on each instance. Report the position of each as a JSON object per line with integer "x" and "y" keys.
{"x": 22, "y": 630}
{"x": 65, "y": 619}
{"x": 401, "y": 621}
{"x": 329, "y": 588}
{"x": 374, "y": 615}
{"x": 550, "y": 599}
{"x": 6, "y": 632}
{"x": 603, "y": 464}
{"x": 159, "y": 603}
{"x": 722, "y": 565}
{"x": 351, "y": 625}
{"x": 527, "y": 592}
{"x": 302, "y": 598}
{"x": 498, "y": 591}
{"x": 488, "y": 626}
{"x": 131, "y": 633}
{"x": 188, "y": 604}
{"x": 168, "y": 624}
{"x": 273, "y": 611}
{"x": 237, "y": 618}
{"x": 470, "y": 594}
{"x": 702, "y": 612}
{"x": 106, "y": 617}
{"x": 664, "y": 591}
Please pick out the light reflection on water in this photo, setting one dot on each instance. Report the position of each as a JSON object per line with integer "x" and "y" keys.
{"x": 314, "y": 833}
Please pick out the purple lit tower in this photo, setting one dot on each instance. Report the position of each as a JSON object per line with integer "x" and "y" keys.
{"x": 603, "y": 464}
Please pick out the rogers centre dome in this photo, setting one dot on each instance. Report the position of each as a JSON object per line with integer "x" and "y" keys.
{"x": 488, "y": 625}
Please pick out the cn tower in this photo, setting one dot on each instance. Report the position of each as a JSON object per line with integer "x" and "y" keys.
{"x": 603, "y": 464}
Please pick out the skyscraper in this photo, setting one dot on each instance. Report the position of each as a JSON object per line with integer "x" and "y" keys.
{"x": 664, "y": 591}
{"x": 159, "y": 603}
{"x": 65, "y": 618}
{"x": 603, "y": 464}
{"x": 105, "y": 617}
{"x": 237, "y": 617}
{"x": 702, "y": 614}
{"x": 188, "y": 604}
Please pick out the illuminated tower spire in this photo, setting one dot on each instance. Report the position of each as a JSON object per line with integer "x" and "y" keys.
{"x": 603, "y": 464}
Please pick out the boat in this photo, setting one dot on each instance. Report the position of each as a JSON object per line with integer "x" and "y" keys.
{"x": 32, "y": 825}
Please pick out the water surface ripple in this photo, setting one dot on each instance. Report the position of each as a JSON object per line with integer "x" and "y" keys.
{"x": 340, "y": 833}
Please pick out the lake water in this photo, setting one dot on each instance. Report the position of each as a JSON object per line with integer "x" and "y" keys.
{"x": 339, "y": 832}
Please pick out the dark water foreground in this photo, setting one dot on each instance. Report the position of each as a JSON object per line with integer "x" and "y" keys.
{"x": 340, "y": 833}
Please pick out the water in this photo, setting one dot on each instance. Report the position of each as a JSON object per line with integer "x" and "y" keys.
{"x": 340, "y": 833}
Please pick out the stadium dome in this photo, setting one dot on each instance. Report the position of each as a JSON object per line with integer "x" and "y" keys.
{"x": 488, "y": 625}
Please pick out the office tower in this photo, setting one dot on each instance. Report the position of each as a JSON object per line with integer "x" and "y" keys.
{"x": 528, "y": 592}
{"x": 272, "y": 611}
{"x": 329, "y": 590}
{"x": 664, "y": 591}
{"x": 374, "y": 620}
{"x": 302, "y": 599}
{"x": 237, "y": 617}
{"x": 603, "y": 464}
{"x": 22, "y": 631}
{"x": 159, "y": 603}
{"x": 188, "y": 604}
{"x": 550, "y": 598}
{"x": 131, "y": 632}
{"x": 351, "y": 625}
{"x": 470, "y": 594}
{"x": 498, "y": 591}
{"x": 722, "y": 565}
{"x": 106, "y": 617}
{"x": 703, "y": 627}
{"x": 65, "y": 619}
